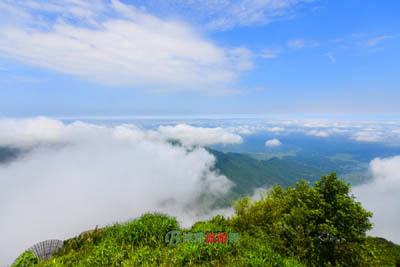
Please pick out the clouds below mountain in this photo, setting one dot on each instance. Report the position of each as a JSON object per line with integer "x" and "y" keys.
{"x": 273, "y": 143}
{"x": 318, "y": 133}
{"x": 381, "y": 196}
{"x": 76, "y": 176}
{"x": 368, "y": 136}
{"x": 190, "y": 135}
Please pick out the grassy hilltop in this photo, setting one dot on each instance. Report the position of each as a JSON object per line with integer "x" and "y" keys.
{"x": 304, "y": 225}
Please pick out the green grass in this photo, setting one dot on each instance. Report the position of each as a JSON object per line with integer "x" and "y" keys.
{"x": 385, "y": 253}
{"x": 305, "y": 225}
{"x": 140, "y": 242}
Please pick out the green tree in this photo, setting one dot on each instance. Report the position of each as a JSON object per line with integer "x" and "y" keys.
{"x": 321, "y": 225}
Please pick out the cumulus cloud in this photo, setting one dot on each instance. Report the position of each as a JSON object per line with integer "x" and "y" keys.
{"x": 381, "y": 196}
{"x": 75, "y": 176}
{"x": 119, "y": 45}
{"x": 273, "y": 143}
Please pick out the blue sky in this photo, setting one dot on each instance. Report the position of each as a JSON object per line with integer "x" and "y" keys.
{"x": 120, "y": 58}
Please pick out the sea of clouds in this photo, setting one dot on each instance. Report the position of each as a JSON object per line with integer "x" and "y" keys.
{"x": 71, "y": 177}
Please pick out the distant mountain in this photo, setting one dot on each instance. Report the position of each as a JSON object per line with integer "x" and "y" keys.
{"x": 7, "y": 154}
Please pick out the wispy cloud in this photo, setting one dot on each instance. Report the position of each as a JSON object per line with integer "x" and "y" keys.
{"x": 223, "y": 15}
{"x": 270, "y": 53}
{"x": 376, "y": 40}
{"x": 22, "y": 79}
{"x": 119, "y": 45}
{"x": 331, "y": 57}
{"x": 301, "y": 43}
{"x": 356, "y": 40}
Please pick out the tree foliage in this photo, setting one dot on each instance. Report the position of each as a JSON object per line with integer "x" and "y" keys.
{"x": 322, "y": 225}
{"x": 26, "y": 259}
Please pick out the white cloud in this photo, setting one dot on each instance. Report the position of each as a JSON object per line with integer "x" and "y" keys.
{"x": 381, "y": 196}
{"x": 273, "y": 143}
{"x": 362, "y": 130}
{"x": 119, "y": 45}
{"x": 31, "y": 132}
{"x": 368, "y": 136}
{"x": 301, "y": 43}
{"x": 275, "y": 129}
{"x": 338, "y": 130}
{"x": 252, "y": 128}
{"x": 377, "y": 40}
{"x": 270, "y": 53}
{"x": 77, "y": 176}
{"x": 318, "y": 133}
{"x": 319, "y": 123}
{"x": 223, "y": 15}
{"x": 190, "y": 135}
{"x": 9, "y": 11}
{"x": 259, "y": 193}
{"x": 242, "y": 129}
{"x": 331, "y": 57}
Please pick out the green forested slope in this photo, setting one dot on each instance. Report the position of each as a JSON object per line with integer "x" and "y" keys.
{"x": 248, "y": 173}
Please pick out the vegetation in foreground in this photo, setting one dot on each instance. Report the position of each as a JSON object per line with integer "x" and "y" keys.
{"x": 305, "y": 225}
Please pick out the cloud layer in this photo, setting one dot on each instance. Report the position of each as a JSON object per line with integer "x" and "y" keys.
{"x": 190, "y": 135}
{"x": 73, "y": 177}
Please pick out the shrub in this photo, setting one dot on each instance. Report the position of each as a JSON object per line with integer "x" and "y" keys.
{"x": 26, "y": 259}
